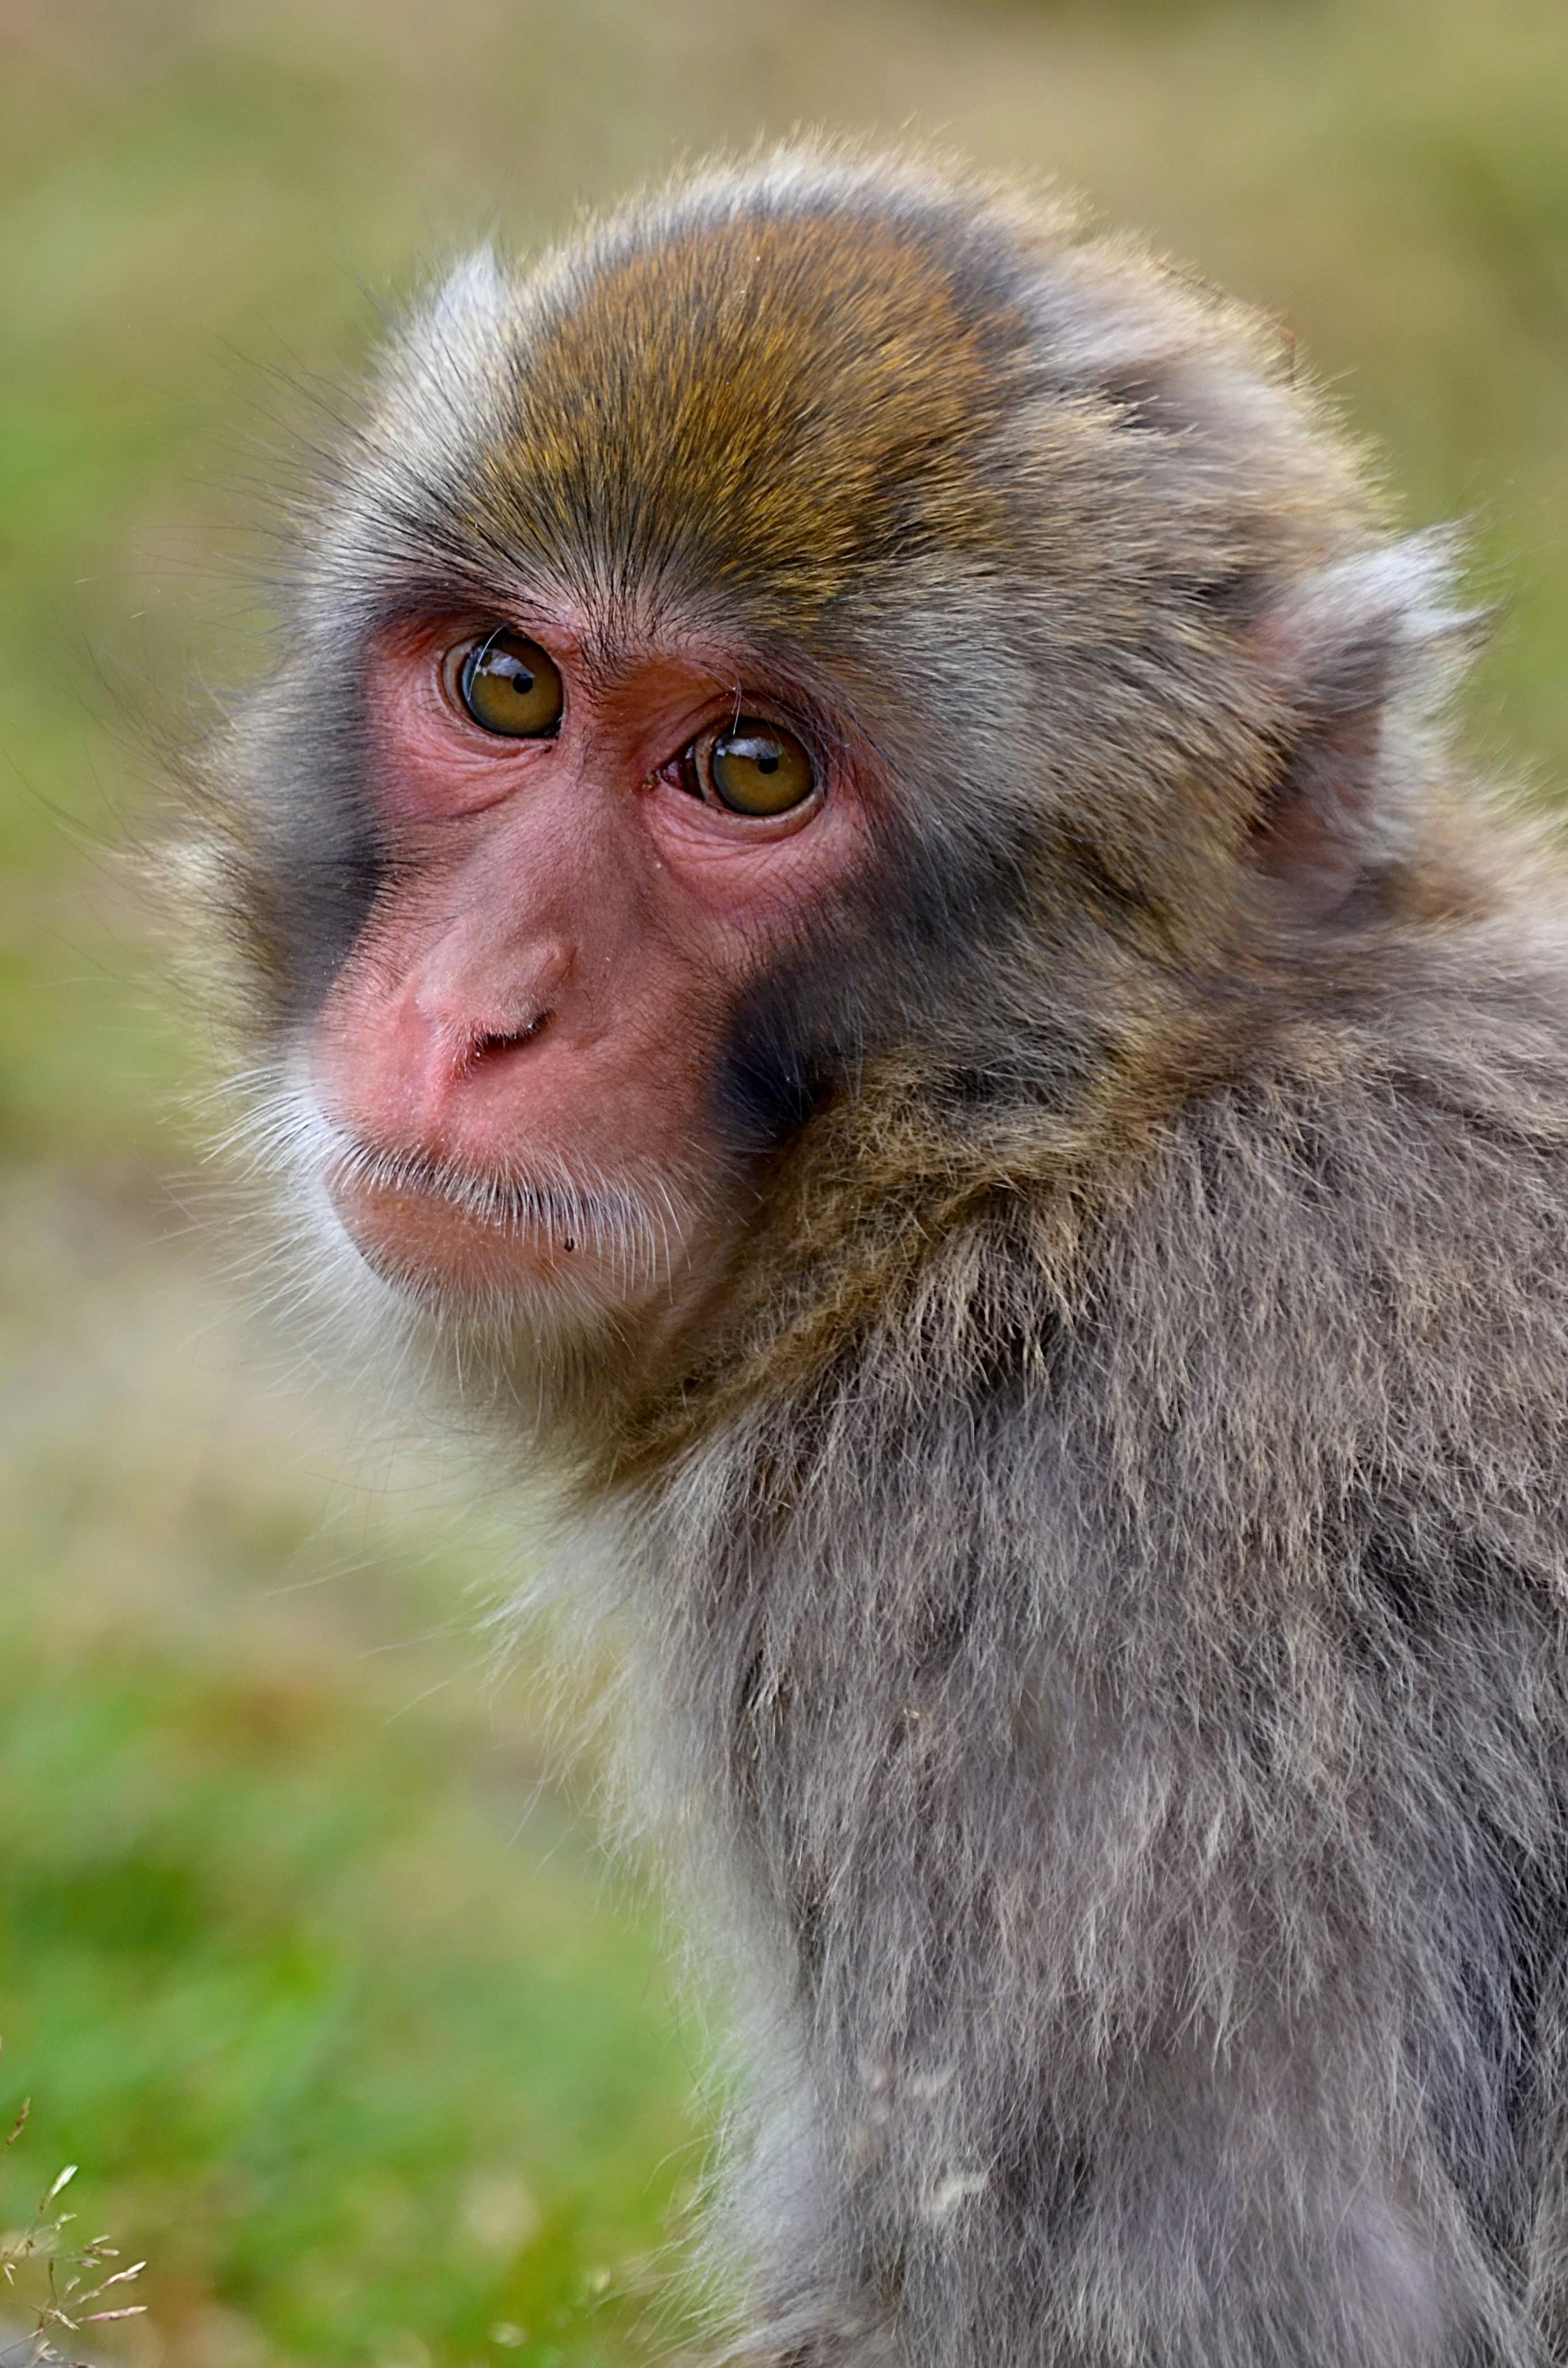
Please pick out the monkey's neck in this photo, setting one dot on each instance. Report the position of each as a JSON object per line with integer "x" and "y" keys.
{"x": 956, "y": 1241}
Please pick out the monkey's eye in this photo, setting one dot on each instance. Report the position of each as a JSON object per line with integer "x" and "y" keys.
{"x": 509, "y": 686}
{"x": 756, "y": 768}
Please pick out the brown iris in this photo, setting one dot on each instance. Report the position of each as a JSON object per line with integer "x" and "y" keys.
{"x": 758, "y": 768}
{"x": 509, "y": 686}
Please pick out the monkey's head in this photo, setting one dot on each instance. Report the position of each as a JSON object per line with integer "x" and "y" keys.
{"x": 794, "y": 714}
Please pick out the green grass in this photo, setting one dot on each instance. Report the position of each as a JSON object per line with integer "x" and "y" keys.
{"x": 319, "y": 2040}
{"x": 305, "y": 1952}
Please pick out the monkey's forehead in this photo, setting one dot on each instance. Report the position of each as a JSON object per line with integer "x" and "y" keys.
{"x": 780, "y": 389}
{"x": 766, "y": 402}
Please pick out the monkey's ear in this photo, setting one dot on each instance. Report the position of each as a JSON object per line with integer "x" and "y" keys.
{"x": 1364, "y": 654}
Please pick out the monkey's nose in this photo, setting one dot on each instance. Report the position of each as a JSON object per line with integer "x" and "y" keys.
{"x": 479, "y": 1004}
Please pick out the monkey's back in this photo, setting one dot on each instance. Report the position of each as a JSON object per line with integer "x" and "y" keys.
{"x": 1319, "y": 1405}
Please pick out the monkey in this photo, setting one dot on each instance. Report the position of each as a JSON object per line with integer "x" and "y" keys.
{"x": 860, "y": 921}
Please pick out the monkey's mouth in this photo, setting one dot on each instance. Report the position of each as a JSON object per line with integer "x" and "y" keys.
{"x": 451, "y": 1233}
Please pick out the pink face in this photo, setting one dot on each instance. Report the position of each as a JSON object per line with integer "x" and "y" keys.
{"x": 516, "y": 1060}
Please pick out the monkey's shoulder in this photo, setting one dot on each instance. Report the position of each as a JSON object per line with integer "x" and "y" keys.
{"x": 1344, "y": 1280}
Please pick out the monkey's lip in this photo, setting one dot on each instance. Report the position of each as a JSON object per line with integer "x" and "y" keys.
{"x": 505, "y": 1204}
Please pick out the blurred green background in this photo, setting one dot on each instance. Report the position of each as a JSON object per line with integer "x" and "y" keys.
{"x": 305, "y": 1954}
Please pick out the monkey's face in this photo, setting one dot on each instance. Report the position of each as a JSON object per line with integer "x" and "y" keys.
{"x": 589, "y": 856}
